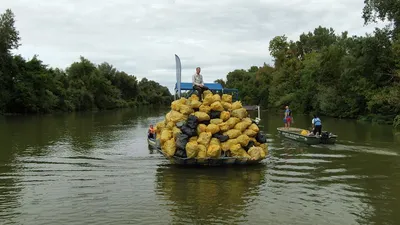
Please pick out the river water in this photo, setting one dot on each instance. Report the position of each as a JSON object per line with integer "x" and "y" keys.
{"x": 96, "y": 168}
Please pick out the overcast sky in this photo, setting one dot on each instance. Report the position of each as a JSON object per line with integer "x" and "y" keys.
{"x": 141, "y": 37}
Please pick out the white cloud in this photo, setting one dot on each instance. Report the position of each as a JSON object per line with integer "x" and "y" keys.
{"x": 141, "y": 37}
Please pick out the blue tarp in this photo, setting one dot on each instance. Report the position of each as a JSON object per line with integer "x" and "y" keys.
{"x": 211, "y": 86}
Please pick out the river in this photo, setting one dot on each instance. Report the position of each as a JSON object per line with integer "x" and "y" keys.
{"x": 96, "y": 168}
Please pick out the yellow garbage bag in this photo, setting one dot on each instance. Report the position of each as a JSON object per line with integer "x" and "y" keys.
{"x": 208, "y": 100}
{"x": 212, "y": 128}
{"x": 242, "y": 126}
{"x": 201, "y": 128}
{"x": 202, "y": 153}
{"x": 170, "y": 125}
{"x": 217, "y": 106}
{"x": 204, "y": 138}
{"x": 175, "y": 132}
{"x": 194, "y": 138}
{"x": 192, "y": 148}
{"x": 194, "y": 97}
{"x": 205, "y": 108}
{"x": 175, "y": 116}
{"x": 169, "y": 147}
{"x": 239, "y": 113}
{"x": 254, "y": 127}
{"x": 225, "y": 115}
{"x": 175, "y": 105}
{"x": 304, "y": 132}
{"x": 235, "y": 148}
{"x": 238, "y": 151}
{"x": 166, "y": 135}
{"x": 185, "y": 109}
{"x": 227, "y": 106}
{"x": 214, "y": 151}
{"x": 233, "y": 133}
{"x": 224, "y": 127}
{"x": 237, "y": 105}
{"x": 195, "y": 104}
{"x": 160, "y": 125}
{"x": 216, "y": 121}
{"x": 227, "y": 98}
{"x": 202, "y": 116}
{"x": 264, "y": 148}
{"x": 216, "y": 98}
{"x": 227, "y": 145}
{"x": 250, "y": 133}
{"x": 247, "y": 121}
{"x": 262, "y": 153}
{"x": 215, "y": 141}
{"x": 243, "y": 140}
{"x": 207, "y": 93}
{"x": 158, "y": 135}
{"x": 256, "y": 153}
{"x": 232, "y": 122}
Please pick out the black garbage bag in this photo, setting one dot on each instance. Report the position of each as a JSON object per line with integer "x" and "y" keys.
{"x": 261, "y": 138}
{"x": 181, "y": 153}
{"x": 181, "y": 141}
{"x": 206, "y": 122}
{"x": 189, "y": 131}
{"x": 221, "y": 137}
{"x": 215, "y": 114}
{"x": 249, "y": 145}
{"x": 192, "y": 122}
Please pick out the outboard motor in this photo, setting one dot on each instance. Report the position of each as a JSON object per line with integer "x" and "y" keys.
{"x": 324, "y": 137}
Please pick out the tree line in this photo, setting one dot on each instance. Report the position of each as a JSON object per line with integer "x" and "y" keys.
{"x": 30, "y": 86}
{"x": 328, "y": 74}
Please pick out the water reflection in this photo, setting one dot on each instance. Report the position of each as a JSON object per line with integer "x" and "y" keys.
{"x": 209, "y": 195}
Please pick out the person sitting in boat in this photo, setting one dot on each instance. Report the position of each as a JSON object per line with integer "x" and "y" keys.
{"x": 288, "y": 117}
{"x": 151, "y": 132}
{"x": 317, "y": 125}
{"x": 198, "y": 84}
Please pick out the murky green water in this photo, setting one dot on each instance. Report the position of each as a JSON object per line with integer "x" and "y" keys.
{"x": 96, "y": 168}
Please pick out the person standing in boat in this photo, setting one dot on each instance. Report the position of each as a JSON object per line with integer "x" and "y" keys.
{"x": 151, "y": 132}
{"x": 198, "y": 83}
{"x": 288, "y": 117}
{"x": 317, "y": 125}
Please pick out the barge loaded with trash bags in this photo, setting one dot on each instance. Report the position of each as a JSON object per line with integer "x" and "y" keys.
{"x": 215, "y": 131}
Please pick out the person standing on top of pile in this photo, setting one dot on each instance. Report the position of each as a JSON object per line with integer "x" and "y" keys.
{"x": 198, "y": 84}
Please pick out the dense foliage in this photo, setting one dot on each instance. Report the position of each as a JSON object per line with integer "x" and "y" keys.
{"x": 329, "y": 74}
{"x": 29, "y": 86}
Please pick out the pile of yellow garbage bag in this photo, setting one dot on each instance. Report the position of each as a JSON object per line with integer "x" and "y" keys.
{"x": 213, "y": 128}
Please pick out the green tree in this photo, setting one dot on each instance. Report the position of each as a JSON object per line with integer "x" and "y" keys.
{"x": 382, "y": 9}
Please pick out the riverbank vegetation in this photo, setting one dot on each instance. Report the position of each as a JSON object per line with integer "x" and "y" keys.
{"x": 30, "y": 86}
{"x": 331, "y": 74}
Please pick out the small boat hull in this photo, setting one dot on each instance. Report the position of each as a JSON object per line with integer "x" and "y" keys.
{"x": 294, "y": 134}
{"x": 152, "y": 143}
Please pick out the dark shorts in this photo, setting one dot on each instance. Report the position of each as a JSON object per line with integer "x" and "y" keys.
{"x": 317, "y": 129}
